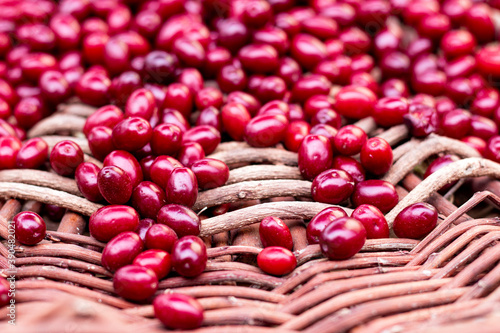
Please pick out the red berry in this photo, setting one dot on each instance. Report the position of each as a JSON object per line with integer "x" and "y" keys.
{"x": 160, "y": 236}
{"x": 315, "y": 156}
{"x": 30, "y": 228}
{"x": 276, "y": 260}
{"x": 307, "y": 50}
{"x": 273, "y": 232}
{"x": 177, "y": 311}
{"x": 107, "y": 116}
{"x": 378, "y": 193}
{"x": 389, "y": 111}
{"x": 207, "y": 136}
{"x": 320, "y": 221}
{"x": 265, "y": 130}
{"x": 86, "y": 179}
{"x": 32, "y": 154}
{"x": 351, "y": 166}
{"x": 121, "y": 250}
{"x": 342, "y": 238}
{"x": 162, "y": 168}
{"x": 456, "y": 123}
{"x": 190, "y": 153}
{"x": 135, "y": 283}
{"x": 295, "y": 133}
{"x": 415, "y": 221}
{"x": 189, "y": 256}
{"x": 166, "y": 139}
{"x": 373, "y": 220}
{"x": 132, "y": 134}
{"x": 207, "y": 97}
{"x": 109, "y": 221}
{"x": 178, "y": 97}
{"x": 181, "y": 219}
{"x": 114, "y": 185}
{"x": 210, "y": 173}
{"x": 355, "y": 102}
{"x": 332, "y": 186}
{"x": 65, "y": 157}
{"x": 100, "y": 140}
{"x": 157, "y": 260}
{"x": 235, "y": 117}
{"x": 349, "y": 140}
{"x": 148, "y": 198}
{"x": 141, "y": 103}
{"x": 376, "y": 156}
{"x": 9, "y": 149}
{"x": 422, "y": 122}
{"x": 127, "y": 162}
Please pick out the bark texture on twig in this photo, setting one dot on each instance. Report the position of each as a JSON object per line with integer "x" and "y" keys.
{"x": 469, "y": 167}
{"x": 253, "y": 190}
{"x": 263, "y": 172}
{"x": 40, "y": 178}
{"x": 48, "y": 196}
{"x": 395, "y": 134}
{"x": 77, "y": 109}
{"x": 57, "y": 123}
{"x": 432, "y": 145}
{"x": 246, "y": 216}
{"x": 256, "y": 155}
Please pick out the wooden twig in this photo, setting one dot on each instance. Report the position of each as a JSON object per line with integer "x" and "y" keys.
{"x": 77, "y": 109}
{"x": 263, "y": 172}
{"x": 432, "y": 145}
{"x": 395, "y": 134}
{"x": 57, "y": 123}
{"x": 469, "y": 167}
{"x": 256, "y": 155}
{"x": 246, "y": 216}
{"x": 252, "y": 190}
{"x": 48, "y": 196}
{"x": 40, "y": 178}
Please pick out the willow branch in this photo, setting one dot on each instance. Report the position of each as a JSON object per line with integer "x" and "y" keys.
{"x": 432, "y": 145}
{"x": 367, "y": 124}
{"x": 60, "y": 250}
{"x": 48, "y": 196}
{"x": 256, "y": 155}
{"x": 394, "y": 134}
{"x": 253, "y": 190}
{"x": 77, "y": 109}
{"x": 231, "y": 145}
{"x": 263, "y": 172}
{"x": 63, "y": 263}
{"x": 406, "y": 147}
{"x": 246, "y": 216}
{"x": 56, "y": 273}
{"x": 57, "y": 123}
{"x": 40, "y": 178}
{"x": 469, "y": 167}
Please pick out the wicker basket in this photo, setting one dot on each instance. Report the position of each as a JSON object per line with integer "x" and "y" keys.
{"x": 447, "y": 282}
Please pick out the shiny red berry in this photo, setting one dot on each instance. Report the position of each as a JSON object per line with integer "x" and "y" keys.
{"x": 29, "y": 228}
{"x": 342, "y": 238}
{"x": 276, "y": 260}
{"x": 415, "y": 221}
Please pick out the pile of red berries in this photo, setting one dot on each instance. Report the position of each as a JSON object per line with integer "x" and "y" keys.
{"x": 173, "y": 78}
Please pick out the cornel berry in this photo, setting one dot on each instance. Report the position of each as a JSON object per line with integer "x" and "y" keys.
{"x": 173, "y": 79}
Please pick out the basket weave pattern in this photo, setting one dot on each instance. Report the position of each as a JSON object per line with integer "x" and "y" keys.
{"x": 447, "y": 281}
